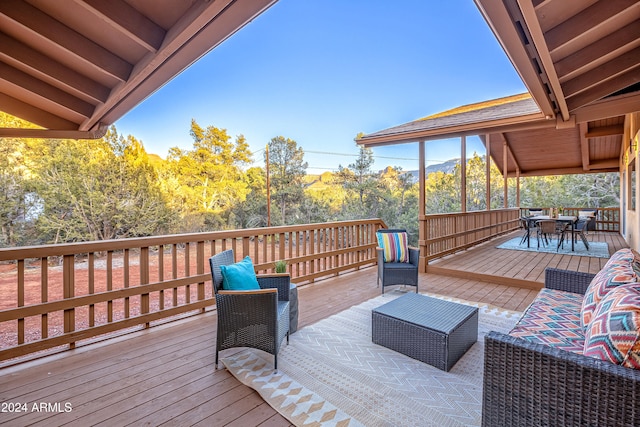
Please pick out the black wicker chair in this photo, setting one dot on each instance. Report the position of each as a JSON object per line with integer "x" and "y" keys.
{"x": 527, "y": 384}
{"x": 398, "y": 273}
{"x": 258, "y": 318}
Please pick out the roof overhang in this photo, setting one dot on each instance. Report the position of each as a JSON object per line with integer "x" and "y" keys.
{"x": 570, "y": 54}
{"x": 75, "y": 67}
{"x": 580, "y": 62}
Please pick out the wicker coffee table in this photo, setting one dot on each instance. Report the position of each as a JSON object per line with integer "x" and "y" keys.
{"x": 428, "y": 329}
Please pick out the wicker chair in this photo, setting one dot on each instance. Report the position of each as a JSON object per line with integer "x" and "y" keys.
{"x": 258, "y": 318}
{"x": 527, "y": 384}
{"x": 398, "y": 273}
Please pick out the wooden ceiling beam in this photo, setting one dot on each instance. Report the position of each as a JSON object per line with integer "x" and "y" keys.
{"x": 544, "y": 55}
{"x": 505, "y": 141}
{"x": 608, "y": 107}
{"x": 603, "y": 131}
{"x": 46, "y": 133}
{"x": 17, "y": 54}
{"x": 127, "y": 20}
{"x": 34, "y": 115}
{"x": 605, "y": 164}
{"x": 586, "y": 21}
{"x": 563, "y": 171}
{"x": 603, "y": 89}
{"x": 13, "y": 77}
{"x": 584, "y": 145}
{"x": 617, "y": 66}
{"x": 599, "y": 52}
{"x": 61, "y": 37}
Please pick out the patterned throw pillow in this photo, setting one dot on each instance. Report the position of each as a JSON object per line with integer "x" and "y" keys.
{"x": 617, "y": 271}
{"x": 395, "y": 246}
{"x": 614, "y": 332}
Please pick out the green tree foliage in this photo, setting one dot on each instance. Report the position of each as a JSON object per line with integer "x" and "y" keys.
{"x": 588, "y": 190}
{"x": 364, "y": 194}
{"x": 208, "y": 180}
{"x": 77, "y": 190}
{"x": 252, "y": 212}
{"x": 96, "y": 190}
{"x": 287, "y": 169}
{"x": 15, "y": 194}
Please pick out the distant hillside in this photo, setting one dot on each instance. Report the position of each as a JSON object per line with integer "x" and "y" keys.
{"x": 446, "y": 167}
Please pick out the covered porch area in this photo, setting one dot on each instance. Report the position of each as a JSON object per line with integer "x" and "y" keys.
{"x": 166, "y": 375}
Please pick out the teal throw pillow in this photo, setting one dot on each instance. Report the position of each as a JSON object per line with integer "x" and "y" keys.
{"x": 239, "y": 276}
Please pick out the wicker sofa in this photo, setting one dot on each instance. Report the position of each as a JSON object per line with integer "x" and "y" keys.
{"x": 530, "y": 381}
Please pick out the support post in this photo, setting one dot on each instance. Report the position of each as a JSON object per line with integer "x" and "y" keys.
{"x": 422, "y": 229}
{"x": 463, "y": 174}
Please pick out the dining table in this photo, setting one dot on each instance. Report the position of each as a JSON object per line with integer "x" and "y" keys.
{"x": 569, "y": 219}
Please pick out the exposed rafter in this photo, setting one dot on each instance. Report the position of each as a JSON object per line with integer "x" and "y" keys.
{"x": 74, "y": 67}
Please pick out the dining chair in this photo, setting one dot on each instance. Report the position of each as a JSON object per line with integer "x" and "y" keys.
{"x": 580, "y": 229}
{"x": 528, "y": 226}
{"x": 551, "y": 227}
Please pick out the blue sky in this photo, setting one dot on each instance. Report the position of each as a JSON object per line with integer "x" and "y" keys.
{"x": 321, "y": 71}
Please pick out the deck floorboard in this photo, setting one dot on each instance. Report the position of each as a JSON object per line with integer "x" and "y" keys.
{"x": 166, "y": 375}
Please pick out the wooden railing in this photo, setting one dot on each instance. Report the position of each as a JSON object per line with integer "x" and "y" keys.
{"x": 62, "y": 295}
{"x": 607, "y": 219}
{"x": 449, "y": 233}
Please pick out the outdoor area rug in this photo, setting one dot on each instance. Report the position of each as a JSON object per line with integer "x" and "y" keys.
{"x": 596, "y": 249}
{"x": 331, "y": 374}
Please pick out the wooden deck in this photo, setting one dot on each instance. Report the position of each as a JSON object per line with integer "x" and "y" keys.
{"x": 166, "y": 376}
{"x": 520, "y": 268}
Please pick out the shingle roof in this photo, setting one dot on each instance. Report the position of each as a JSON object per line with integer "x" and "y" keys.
{"x": 481, "y": 112}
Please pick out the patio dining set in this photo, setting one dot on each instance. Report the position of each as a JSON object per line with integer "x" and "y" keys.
{"x": 545, "y": 227}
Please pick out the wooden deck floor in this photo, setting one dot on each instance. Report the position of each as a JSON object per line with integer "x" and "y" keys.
{"x": 166, "y": 376}
{"x": 521, "y": 268}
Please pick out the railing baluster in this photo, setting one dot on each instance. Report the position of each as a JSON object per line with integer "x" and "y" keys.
{"x": 44, "y": 294}
{"x": 161, "y": 275}
{"x": 200, "y": 269}
{"x": 20, "y": 299}
{"x": 174, "y": 271}
{"x": 68, "y": 283}
{"x": 109, "y": 285}
{"x": 144, "y": 279}
{"x": 187, "y": 271}
{"x": 126, "y": 282}
{"x": 91, "y": 287}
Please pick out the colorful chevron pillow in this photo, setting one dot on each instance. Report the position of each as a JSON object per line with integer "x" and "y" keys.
{"x": 614, "y": 333}
{"x": 617, "y": 271}
{"x": 395, "y": 246}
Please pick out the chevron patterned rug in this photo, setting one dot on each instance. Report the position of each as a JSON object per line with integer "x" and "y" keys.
{"x": 331, "y": 374}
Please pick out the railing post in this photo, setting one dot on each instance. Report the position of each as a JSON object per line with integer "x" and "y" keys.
{"x": 200, "y": 270}
{"x": 44, "y": 294}
{"x": 68, "y": 280}
{"x": 20, "y": 299}
{"x": 144, "y": 279}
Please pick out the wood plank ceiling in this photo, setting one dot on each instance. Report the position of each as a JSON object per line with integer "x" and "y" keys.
{"x": 73, "y": 67}
{"x": 580, "y": 61}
